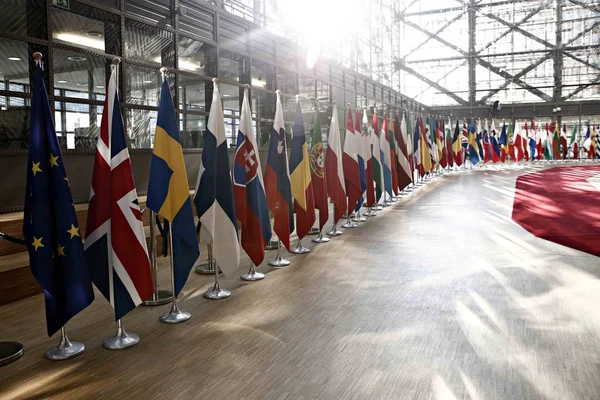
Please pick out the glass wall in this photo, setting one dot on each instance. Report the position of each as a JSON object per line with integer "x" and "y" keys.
{"x": 147, "y": 35}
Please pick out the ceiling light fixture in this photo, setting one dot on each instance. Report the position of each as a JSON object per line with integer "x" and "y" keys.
{"x": 76, "y": 58}
{"x": 62, "y": 81}
{"x": 147, "y": 81}
{"x": 14, "y": 58}
{"x": 94, "y": 34}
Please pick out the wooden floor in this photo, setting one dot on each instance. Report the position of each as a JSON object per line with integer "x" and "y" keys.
{"x": 440, "y": 296}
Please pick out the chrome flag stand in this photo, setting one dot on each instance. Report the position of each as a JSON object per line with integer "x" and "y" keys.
{"x": 370, "y": 212}
{"x": 121, "y": 340}
{"x": 320, "y": 238}
{"x": 175, "y": 315}
{"x": 252, "y": 274}
{"x": 358, "y": 217}
{"x": 9, "y": 352}
{"x": 159, "y": 297}
{"x": 216, "y": 292}
{"x": 279, "y": 261}
{"x": 299, "y": 249}
{"x": 334, "y": 231}
{"x": 207, "y": 268}
{"x": 65, "y": 349}
{"x": 349, "y": 224}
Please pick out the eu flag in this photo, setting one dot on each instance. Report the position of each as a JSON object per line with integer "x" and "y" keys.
{"x": 168, "y": 189}
{"x": 50, "y": 224}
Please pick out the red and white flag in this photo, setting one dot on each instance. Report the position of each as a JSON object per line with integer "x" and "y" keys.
{"x": 334, "y": 173}
{"x": 350, "y": 164}
{"x": 115, "y": 243}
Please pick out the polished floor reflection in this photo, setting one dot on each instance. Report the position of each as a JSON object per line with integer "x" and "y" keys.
{"x": 440, "y": 296}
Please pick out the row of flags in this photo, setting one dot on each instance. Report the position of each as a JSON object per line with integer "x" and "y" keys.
{"x": 360, "y": 171}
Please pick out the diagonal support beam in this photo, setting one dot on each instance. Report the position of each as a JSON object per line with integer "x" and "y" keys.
{"x": 581, "y": 60}
{"x": 401, "y": 65}
{"x": 447, "y": 24}
{"x": 516, "y": 28}
{"x": 593, "y": 8}
{"x": 582, "y": 87}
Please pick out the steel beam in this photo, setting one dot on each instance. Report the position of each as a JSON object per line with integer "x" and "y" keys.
{"x": 581, "y": 87}
{"x": 558, "y": 57}
{"x": 459, "y": 100}
{"x": 472, "y": 59}
{"x": 593, "y": 8}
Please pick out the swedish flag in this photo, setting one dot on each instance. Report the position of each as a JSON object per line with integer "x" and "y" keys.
{"x": 50, "y": 224}
{"x": 168, "y": 189}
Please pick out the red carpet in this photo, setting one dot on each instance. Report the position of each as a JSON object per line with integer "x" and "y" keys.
{"x": 561, "y": 205}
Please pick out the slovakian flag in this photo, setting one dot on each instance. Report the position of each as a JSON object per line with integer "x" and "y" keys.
{"x": 50, "y": 225}
{"x": 376, "y": 159}
{"x": 317, "y": 171}
{"x": 277, "y": 179}
{"x": 169, "y": 190}
{"x": 404, "y": 172}
{"x": 115, "y": 243}
{"x": 302, "y": 191}
{"x": 371, "y": 201}
{"x": 214, "y": 201}
{"x": 249, "y": 190}
{"x": 350, "y": 164}
{"x": 361, "y": 156}
{"x": 334, "y": 171}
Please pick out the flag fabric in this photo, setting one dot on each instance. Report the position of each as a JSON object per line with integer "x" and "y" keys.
{"x": 277, "y": 179}
{"x": 361, "y": 154}
{"x": 302, "y": 192}
{"x": 393, "y": 149}
{"x": 556, "y": 142}
{"x": 495, "y": 145}
{"x": 376, "y": 159}
{"x": 404, "y": 172}
{"x": 425, "y": 148}
{"x": 417, "y": 146}
{"x": 531, "y": 142}
{"x": 249, "y": 190}
{"x": 487, "y": 146}
{"x": 596, "y": 136}
{"x": 526, "y": 143}
{"x": 548, "y": 148}
{"x": 503, "y": 141}
{"x": 573, "y": 142}
{"x": 441, "y": 142}
{"x": 350, "y": 163}
{"x": 214, "y": 200}
{"x": 539, "y": 148}
{"x": 386, "y": 160}
{"x": 589, "y": 143}
{"x": 448, "y": 141}
{"x": 519, "y": 143}
{"x": 431, "y": 144}
{"x": 115, "y": 242}
{"x": 457, "y": 146}
{"x": 168, "y": 189}
{"x": 334, "y": 172}
{"x": 474, "y": 155}
{"x": 564, "y": 148}
{"x": 50, "y": 225}
{"x": 317, "y": 171}
{"x": 370, "y": 192}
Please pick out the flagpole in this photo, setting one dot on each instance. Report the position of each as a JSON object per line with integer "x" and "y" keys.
{"x": 175, "y": 315}
{"x": 207, "y": 268}
{"x": 279, "y": 261}
{"x": 121, "y": 340}
{"x": 216, "y": 292}
{"x": 159, "y": 297}
{"x": 65, "y": 349}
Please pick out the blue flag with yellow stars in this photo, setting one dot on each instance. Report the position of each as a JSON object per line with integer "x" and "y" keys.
{"x": 50, "y": 224}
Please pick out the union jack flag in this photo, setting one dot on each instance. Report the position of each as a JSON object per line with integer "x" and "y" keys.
{"x": 115, "y": 243}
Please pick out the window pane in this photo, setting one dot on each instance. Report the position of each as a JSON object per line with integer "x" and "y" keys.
{"x": 14, "y": 65}
{"x": 78, "y": 75}
{"x": 155, "y": 10}
{"x": 231, "y": 66}
{"x": 148, "y": 44}
{"x": 88, "y": 28}
{"x": 142, "y": 85}
{"x": 231, "y": 99}
{"x": 287, "y": 82}
{"x": 141, "y": 125}
{"x": 194, "y": 126}
{"x": 14, "y": 123}
{"x": 26, "y": 18}
{"x": 192, "y": 94}
{"x": 194, "y": 55}
{"x": 262, "y": 75}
